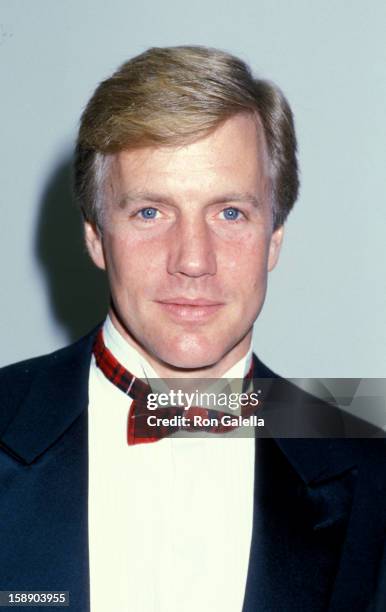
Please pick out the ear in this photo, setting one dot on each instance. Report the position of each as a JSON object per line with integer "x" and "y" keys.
{"x": 274, "y": 247}
{"x": 94, "y": 244}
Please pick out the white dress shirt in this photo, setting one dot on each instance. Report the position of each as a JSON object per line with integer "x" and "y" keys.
{"x": 170, "y": 522}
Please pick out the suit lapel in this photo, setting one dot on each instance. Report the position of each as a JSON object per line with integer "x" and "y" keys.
{"x": 44, "y": 492}
{"x": 298, "y": 532}
{"x": 304, "y": 490}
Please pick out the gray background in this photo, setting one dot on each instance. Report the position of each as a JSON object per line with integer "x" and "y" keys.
{"x": 325, "y": 311}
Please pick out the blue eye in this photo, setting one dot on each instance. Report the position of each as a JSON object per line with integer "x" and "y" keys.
{"x": 231, "y": 214}
{"x": 148, "y": 213}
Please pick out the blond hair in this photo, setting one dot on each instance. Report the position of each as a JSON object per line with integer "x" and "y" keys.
{"x": 175, "y": 95}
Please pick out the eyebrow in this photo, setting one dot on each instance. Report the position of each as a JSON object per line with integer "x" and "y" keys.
{"x": 154, "y": 198}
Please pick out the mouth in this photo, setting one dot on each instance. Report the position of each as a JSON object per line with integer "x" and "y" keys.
{"x": 185, "y": 309}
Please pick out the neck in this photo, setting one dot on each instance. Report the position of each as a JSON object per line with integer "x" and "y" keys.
{"x": 165, "y": 370}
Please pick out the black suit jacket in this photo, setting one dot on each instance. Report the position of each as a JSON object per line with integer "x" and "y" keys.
{"x": 319, "y": 522}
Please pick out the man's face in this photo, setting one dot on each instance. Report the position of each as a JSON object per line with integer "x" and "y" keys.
{"x": 187, "y": 244}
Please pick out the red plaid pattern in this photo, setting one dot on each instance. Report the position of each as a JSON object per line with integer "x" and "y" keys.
{"x": 138, "y": 428}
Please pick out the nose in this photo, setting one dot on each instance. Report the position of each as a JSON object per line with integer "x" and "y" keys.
{"x": 191, "y": 249}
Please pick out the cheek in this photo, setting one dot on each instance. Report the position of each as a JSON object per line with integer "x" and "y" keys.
{"x": 246, "y": 259}
{"x": 132, "y": 264}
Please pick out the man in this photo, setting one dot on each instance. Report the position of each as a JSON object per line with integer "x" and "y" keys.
{"x": 185, "y": 170}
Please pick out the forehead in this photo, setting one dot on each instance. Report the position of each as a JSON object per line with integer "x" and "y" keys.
{"x": 234, "y": 155}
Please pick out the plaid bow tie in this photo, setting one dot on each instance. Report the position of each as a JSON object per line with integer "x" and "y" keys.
{"x": 169, "y": 419}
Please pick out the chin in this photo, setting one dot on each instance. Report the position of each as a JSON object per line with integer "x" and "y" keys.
{"x": 191, "y": 355}
{"x": 190, "y": 362}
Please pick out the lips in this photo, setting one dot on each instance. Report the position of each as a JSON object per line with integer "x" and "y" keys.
{"x": 190, "y": 310}
{"x": 190, "y": 301}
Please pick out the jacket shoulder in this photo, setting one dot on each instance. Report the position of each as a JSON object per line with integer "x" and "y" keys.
{"x": 30, "y": 367}
{"x": 16, "y": 379}
{"x": 316, "y": 435}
